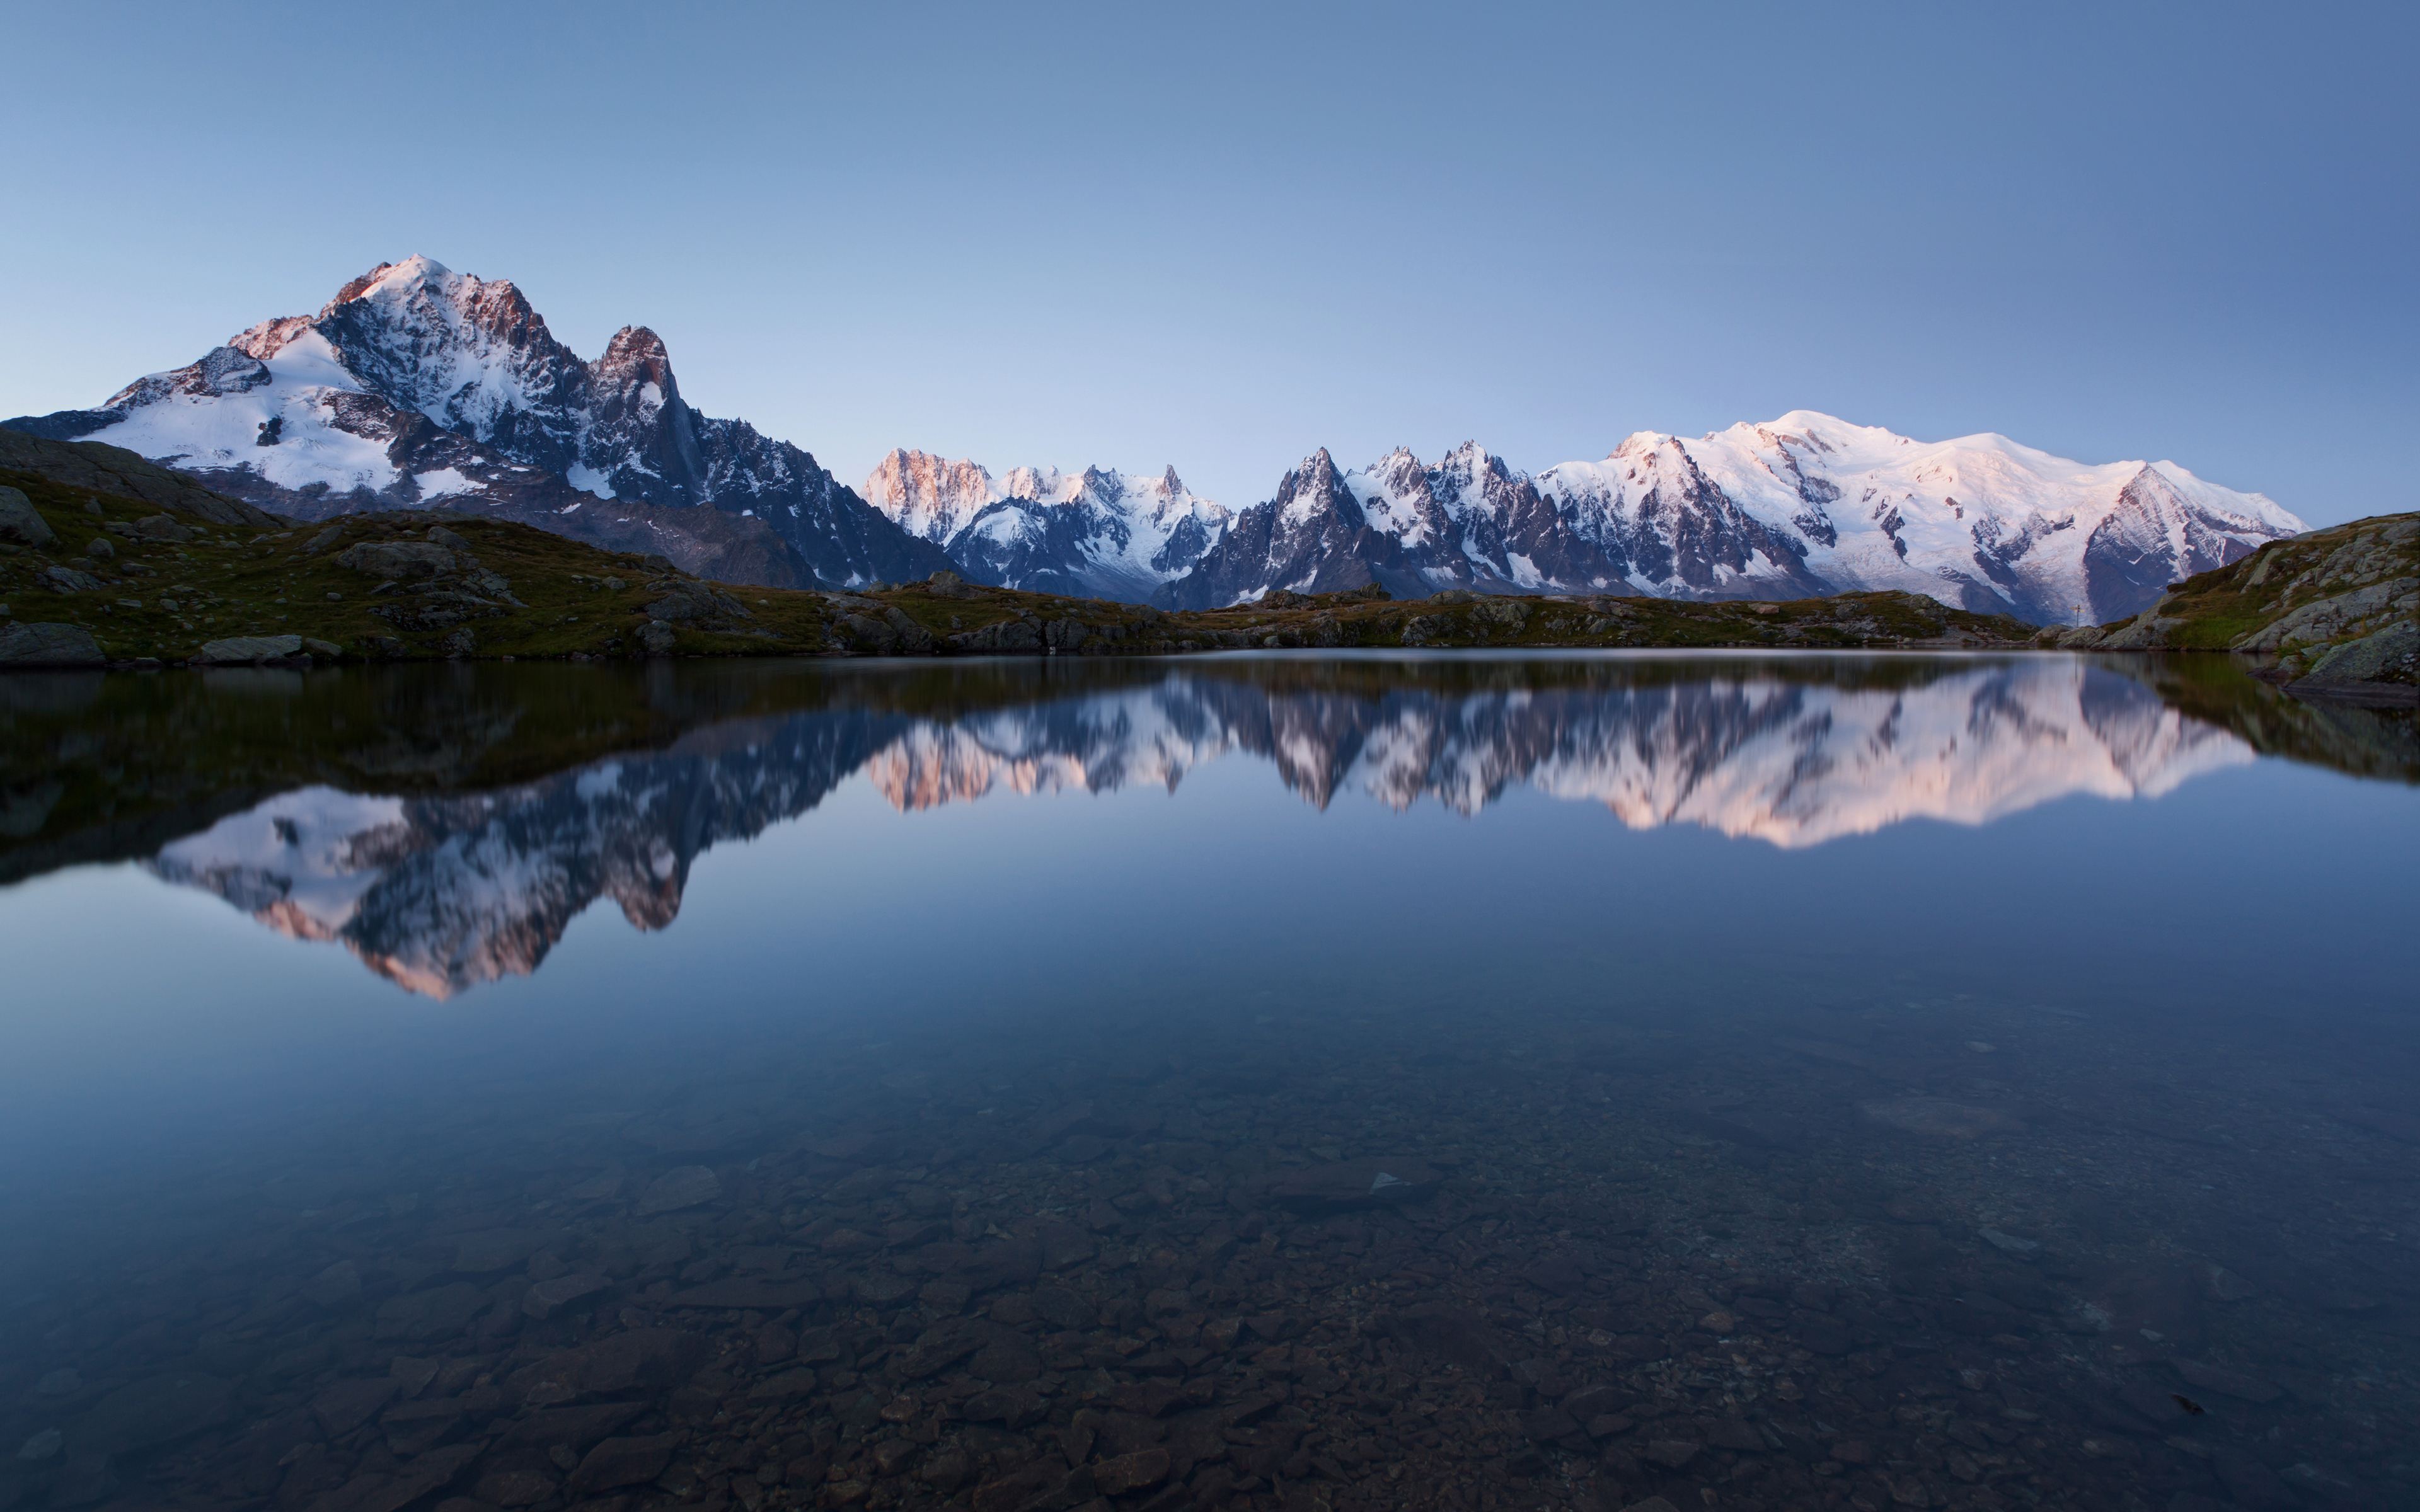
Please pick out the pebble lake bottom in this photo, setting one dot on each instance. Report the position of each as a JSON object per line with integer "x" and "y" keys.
{"x": 1588, "y": 1082}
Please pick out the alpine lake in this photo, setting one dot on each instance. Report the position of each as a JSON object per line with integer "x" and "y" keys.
{"x": 1374, "y": 1081}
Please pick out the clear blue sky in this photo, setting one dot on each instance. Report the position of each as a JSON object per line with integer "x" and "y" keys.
{"x": 1221, "y": 236}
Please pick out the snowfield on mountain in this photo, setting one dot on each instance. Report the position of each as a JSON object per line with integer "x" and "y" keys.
{"x": 1804, "y": 505}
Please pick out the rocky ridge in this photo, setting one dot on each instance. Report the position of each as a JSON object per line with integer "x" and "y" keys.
{"x": 2335, "y": 613}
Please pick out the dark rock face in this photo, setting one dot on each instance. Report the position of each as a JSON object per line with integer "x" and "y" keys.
{"x": 1311, "y": 538}
{"x": 1473, "y": 523}
{"x": 2132, "y": 557}
{"x": 472, "y": 400}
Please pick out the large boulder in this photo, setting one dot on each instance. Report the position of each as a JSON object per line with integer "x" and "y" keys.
{"x": 20, "y": 523}
{"x": 401, "y": 561}
{"x": 47, "y": 646}
{"x": 688, "y": 601}
{"x": 68, "y": 580}
{"x": 243, "y": 650}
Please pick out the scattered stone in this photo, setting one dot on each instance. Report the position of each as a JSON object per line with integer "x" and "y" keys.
{"x": 42, "y": 1445}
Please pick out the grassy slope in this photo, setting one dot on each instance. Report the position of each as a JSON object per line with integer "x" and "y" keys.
{"x": 234, "y": 580}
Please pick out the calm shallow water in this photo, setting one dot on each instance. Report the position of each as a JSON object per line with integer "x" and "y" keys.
{"x": 1273, "y": 1082}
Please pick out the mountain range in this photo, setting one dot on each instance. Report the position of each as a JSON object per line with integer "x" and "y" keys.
{"x": 419, "y": 386}
{"x": 440, "y": 893}
{"x": 1805, "y": 505}
{"x": 1097, "y": 532}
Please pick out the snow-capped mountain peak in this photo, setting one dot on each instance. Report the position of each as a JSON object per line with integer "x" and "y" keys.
{"x": 1804, "y": 504}
{"x": 1096, "y": 532}
{"x": 418, "y": 382}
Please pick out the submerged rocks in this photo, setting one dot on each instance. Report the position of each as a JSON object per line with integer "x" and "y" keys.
{"x": 618, "y": 1462}
{"x": 1006, "y": 1276}
{"x": 684, "y": 1186}
{"x": 548, "y": 1298}
{"x": 1340, "y": 1185}
{"x": 150, "y": 1413}
{"x": 1938, "y": 1117}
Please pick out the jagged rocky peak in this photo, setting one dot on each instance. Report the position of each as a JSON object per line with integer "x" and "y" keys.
{"x": 417, "y": 384}
{"x": 928, "y": 496}
{"x": 633, "y": 359}
{"x": 1041, "y": 484}
{"x": 1096, "y": 531}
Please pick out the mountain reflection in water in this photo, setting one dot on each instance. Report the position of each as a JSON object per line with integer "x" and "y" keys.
{"x": 440, "y": 890}
{"x": 1563, "y": 1080}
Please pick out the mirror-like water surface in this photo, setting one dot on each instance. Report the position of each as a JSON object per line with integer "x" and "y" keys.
{"x": 1262, "y": 1083}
